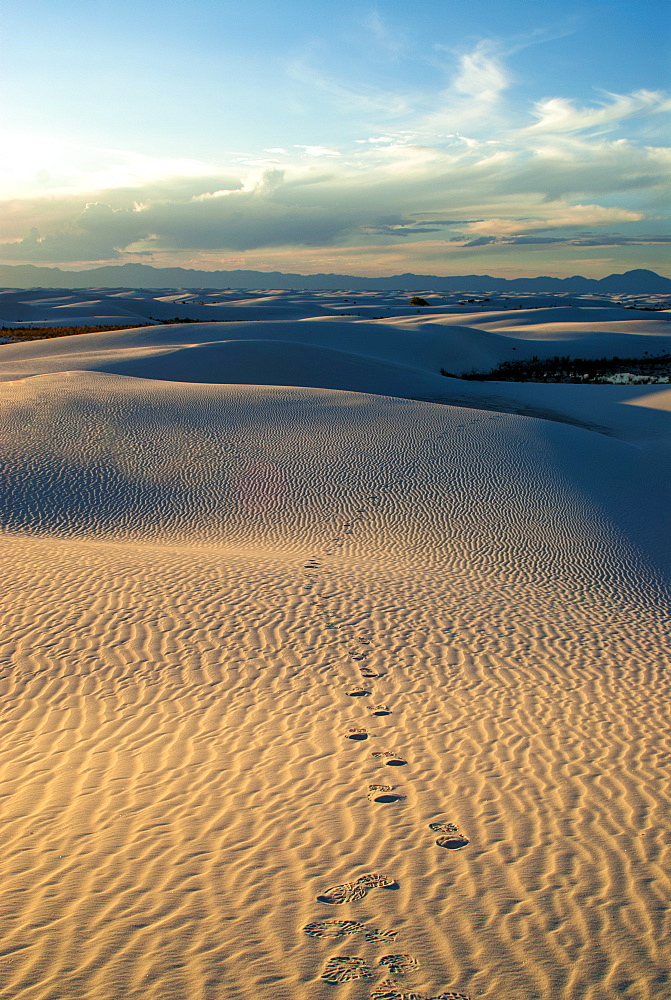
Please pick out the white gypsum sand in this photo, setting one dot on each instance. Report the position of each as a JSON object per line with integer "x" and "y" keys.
{"x": 325, "y": 675}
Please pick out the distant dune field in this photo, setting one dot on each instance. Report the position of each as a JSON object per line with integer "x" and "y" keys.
{"x": 325, "y": 675}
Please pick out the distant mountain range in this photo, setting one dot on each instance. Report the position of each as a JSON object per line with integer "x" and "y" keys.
{"x": 638, "y": 282}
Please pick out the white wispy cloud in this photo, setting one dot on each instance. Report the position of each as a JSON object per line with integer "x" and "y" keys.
{"x": 558, "y": 114}
{"x": 383, "y": 36}
{"x": 482, "y": 75}
{"x": 317, "y": 150}
{"x": 361, "y": 100}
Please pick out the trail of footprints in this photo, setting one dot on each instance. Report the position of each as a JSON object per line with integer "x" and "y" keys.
{"x": 346, "y": 968}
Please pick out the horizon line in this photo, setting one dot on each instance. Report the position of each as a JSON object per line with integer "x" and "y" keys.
{"x": 414, "y": 274}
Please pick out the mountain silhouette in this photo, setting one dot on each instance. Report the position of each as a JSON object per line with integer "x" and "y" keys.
{"x": 636, "y": 282}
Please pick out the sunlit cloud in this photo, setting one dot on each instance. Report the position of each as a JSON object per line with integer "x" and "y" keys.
{"x": 57, "y": 166}
{"x": 557, "y": 216}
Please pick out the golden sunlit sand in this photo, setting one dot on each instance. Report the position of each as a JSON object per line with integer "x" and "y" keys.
{"x": 324, "y": 675}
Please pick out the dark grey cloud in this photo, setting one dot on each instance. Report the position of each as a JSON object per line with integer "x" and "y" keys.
{"x": 61, "y": 246}
{"x": 481, "y": 241}
{"x": 99, "y": 233}
{"x": 401, "y": 230}
{"x": 411, "y": 227}
{"x": 238, "y": 220}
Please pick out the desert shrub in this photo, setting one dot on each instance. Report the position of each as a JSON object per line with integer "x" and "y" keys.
{"x": 567, "y": 369}
{"x": 416, "y": 301}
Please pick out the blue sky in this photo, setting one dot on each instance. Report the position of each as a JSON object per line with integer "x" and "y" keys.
{"x": 435, "y": 136}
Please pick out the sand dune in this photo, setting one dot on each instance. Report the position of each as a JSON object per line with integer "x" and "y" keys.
{"x": 318, "y": 691}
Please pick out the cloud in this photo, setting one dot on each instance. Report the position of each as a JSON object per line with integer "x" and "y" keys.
{"x": 58, "y": 166}
{"x": 385, "y": 39}
{"x": 98, "y": 233}
{"x": 458, "y": 163}
{"x": 558, "y": 215}
{"x": 558, "y": 114}
{"x": 473, "y": 102}
{"x": 317, "y": 150}
{"x": 481, "y": 74}
{"x": 574, "y": 241}
{"x": 362, "y": 100}
{"x": 394, "y": 192}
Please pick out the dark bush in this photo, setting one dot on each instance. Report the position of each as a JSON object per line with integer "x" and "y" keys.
{"x": 568, "y": 369}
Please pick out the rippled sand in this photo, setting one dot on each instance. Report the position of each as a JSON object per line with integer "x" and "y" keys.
{"x": 309, "y": 693}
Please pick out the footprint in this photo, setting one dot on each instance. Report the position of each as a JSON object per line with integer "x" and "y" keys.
{"x": 344, "y": 968}
{"x": 398, "y": 965}
{"x": 444, "y": 827}
{"x": 373, "y": 934}
{"x": 450, "y": 995}
{"x": 382, "y": 710}
{"x": 357, "y": 734}
{"x": 357, "y": 693}
{"x": 383, "y": 793}
{"x": 373, "y": 880}
{"x": 343, "y": 928}
{"x": 390, "y": 758}
{"x": 453, "y": 843}
{"x": 332, "y": 928}
{"x": 350, "y": 891}
{"x": 379, "y": 788}
{"x": 388, "y": 990}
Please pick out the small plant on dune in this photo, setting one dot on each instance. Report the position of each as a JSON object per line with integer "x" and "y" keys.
{"x": 416, "y": 301}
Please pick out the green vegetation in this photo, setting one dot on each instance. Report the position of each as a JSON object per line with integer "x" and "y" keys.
{"x": 579, "y": 370}
{"x": 416, "y": 301}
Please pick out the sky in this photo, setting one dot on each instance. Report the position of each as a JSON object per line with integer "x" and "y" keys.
{"x": 373, "y": 138}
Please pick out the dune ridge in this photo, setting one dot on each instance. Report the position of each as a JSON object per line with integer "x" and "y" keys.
{"x": 209, "y": 589}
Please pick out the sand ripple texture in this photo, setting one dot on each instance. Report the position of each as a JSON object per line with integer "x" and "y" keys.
{"x": 207, "y": 590}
